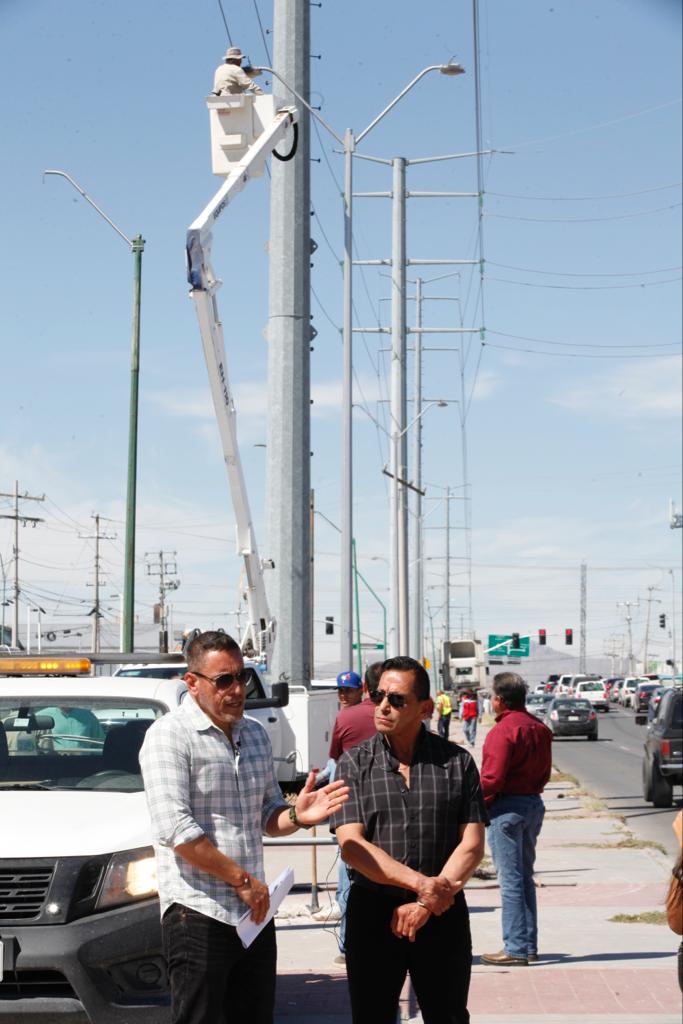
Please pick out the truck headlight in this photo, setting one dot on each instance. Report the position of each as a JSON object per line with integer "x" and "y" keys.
{"x": 131, "y": 876}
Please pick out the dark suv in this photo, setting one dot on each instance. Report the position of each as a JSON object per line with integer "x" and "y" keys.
{"x": 663, "y": 757}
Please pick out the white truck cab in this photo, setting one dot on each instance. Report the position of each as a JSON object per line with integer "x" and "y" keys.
{"x": 79, "y": 913}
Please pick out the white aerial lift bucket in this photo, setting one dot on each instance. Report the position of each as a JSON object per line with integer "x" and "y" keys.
{"x": 236, "y": 122}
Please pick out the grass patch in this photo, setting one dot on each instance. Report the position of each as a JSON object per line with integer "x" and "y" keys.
{"x": 629, "y": 843}
{"x": 557, "y": 776}
{"x": 647, "y": 917}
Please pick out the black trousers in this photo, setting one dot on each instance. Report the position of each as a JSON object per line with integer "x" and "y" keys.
{"x": 439, "y": 962}
{"x": 213, "y": 979}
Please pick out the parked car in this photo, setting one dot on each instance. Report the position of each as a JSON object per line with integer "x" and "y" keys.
{"x": 537, "y": 704}
{"x": 627, "y": 688}
{"x": 640, "y": 698}
{"x": 593, "y": 690}
{"x": 567, "y": 716}
{"x": 663, "y": 754}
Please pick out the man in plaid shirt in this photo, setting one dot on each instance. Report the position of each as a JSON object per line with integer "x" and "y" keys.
{"x": 413, "y": 832}
{"x": 212, "y": 793}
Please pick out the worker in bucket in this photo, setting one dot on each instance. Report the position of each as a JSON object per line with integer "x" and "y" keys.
{"x": 231, "y": 78}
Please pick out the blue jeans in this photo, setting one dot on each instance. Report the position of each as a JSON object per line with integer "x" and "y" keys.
{"x": 343, "y": 886}
{"x": 515, "y": 825}
{"x": 470, "y": 728}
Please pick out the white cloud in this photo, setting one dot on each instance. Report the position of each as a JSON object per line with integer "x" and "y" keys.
{"x": 650, "y": 388}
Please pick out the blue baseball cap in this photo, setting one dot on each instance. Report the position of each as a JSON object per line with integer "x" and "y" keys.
{"x": 350, "y": 679}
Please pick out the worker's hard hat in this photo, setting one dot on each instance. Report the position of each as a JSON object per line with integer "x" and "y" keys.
{"x": 234, "y": 53}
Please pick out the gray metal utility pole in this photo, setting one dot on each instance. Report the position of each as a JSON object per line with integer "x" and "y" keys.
{"x": 346, "y": 611}
{"x": 96, "y": 613}
{"x": 416, "y": 553}
{"x": 629, "y": 619}
{"x": 289, "y": 339}
{"x": 447, "y": 607}
{"x": 582, "y": 618}
{"x": 23, "y": 520}
{"x": 399, "y": 440}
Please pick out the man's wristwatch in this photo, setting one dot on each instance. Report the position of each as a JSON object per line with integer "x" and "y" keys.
{"x": 244, "y": 883}
{"x": 293, "y": 818}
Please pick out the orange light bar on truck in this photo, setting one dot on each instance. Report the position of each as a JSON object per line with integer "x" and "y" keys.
{"x": 45, "y": 666}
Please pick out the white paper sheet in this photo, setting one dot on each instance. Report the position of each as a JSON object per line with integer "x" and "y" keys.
{"x": 278, "y": 889}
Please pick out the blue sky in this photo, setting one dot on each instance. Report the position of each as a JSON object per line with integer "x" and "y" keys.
{"x": 573, "y": 437}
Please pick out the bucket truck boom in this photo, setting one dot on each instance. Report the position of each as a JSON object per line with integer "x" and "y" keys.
{"x": 244, "y": 131}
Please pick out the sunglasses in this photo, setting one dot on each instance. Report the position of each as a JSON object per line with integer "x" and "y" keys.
{"x": 396, "y": 700}
{"x": 227, "y": 679}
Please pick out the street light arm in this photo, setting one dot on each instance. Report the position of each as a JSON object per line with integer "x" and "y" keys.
{"x": 390, "y": 106}
{"x": 63, "y": 174}
{"x": 299, "y": 97}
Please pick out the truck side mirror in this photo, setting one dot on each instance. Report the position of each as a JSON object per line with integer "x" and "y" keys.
{"x": 280, "y": 693}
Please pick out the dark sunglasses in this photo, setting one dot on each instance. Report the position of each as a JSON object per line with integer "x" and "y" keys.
{"x": 396, "y": 700}
{"x": 227, "y": 679}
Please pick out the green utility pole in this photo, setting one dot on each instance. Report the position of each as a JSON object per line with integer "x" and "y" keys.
{"x": 136, "y": 246}
{"x": 128, "y": 646}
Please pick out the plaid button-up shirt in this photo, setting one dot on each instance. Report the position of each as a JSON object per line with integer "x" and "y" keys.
{"x": 196, "y": 784}
{"x": 417, "y": 825}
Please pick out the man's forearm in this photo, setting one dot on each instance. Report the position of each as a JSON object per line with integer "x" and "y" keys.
{"x": 466, "y": 856}
{"x": 378, "y": 866}
{"x": 280, "y": 823}
{"x": 201, "y": 853}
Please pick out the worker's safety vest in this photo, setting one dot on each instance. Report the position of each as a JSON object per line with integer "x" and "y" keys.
{"x": 470, "y": 708}
{"x": 444, "y": 703}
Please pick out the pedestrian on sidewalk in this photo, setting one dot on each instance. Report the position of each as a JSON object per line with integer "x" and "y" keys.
{"x": 444, "y": 710}
{"x": 354, "y": 723}
{"x": 212, "y": 793}
{"x": 516, "y": 766}
{"x": 413, "y": 834}
{"x": 674, "y": 899}
{"x": 470, "y": 713}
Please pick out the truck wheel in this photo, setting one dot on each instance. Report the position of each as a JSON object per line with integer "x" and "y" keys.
{"x": 592, "y": 735}
{"x": 647, "y": 782}
{"x": 662, "y": 793}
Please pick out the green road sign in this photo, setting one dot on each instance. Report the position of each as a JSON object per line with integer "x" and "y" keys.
{"x": 502, "y": 646}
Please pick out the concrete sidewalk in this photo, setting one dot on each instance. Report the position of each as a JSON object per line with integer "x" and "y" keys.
{"x": 591, "y": 969}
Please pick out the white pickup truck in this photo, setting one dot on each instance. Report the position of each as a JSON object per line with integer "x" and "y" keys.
{"x": 79, "y": 914}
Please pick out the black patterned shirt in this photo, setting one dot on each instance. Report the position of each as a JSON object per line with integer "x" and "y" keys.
{"x": 417, "y": 825}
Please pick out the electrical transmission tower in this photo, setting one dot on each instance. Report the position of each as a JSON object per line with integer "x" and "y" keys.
{"x": 23, "y": 520}
{"x": 164, "y": 566}
{"x": 95, "y": 611}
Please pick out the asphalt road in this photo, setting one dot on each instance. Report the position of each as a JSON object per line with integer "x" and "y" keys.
{"x": 611, "y": 768}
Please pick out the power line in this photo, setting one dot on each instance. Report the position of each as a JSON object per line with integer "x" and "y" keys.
{"x": 225, "y": 22}
{"x": 565, "y": 355}
{"x": 586, "y": 199}
{"x": 578, "y": 344}
{"x": 263, "y": 35}
{"x": 568, "y": 273}
{"x": 582, "y": 220}
{"x": 584, "y": 287}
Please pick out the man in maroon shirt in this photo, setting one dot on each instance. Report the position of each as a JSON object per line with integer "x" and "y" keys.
{"x": 516, "y": 766}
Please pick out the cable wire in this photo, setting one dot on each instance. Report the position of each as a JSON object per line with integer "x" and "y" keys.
{"x": 578, "y": 344}
{"x": 566, "y": 355}
{"x": 567, "y": 273}
{"x": 582, "y": 220}
{"x": 586, "y": 199}
{"x": 225, "y": 22}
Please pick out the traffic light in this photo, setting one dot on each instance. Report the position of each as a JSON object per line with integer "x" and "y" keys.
{"x": 329, "y": 625}
{"x": 569, "y": 637}
{"x": 515, "y": 642}
{"x": 662, "y": 621}
{"x": 541, "y": 638}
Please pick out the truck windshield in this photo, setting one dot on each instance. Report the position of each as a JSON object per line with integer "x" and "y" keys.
{"x": 73, "y": 743}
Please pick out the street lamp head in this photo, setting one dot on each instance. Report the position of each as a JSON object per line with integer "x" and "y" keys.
{"x": 452, "y": 68}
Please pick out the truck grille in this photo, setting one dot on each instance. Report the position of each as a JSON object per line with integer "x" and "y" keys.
{"x": 34, "y": 984}
{"x": 23, "y": 891}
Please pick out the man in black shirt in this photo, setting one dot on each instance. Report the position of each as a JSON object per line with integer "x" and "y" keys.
{"x": 413, "y": 832}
